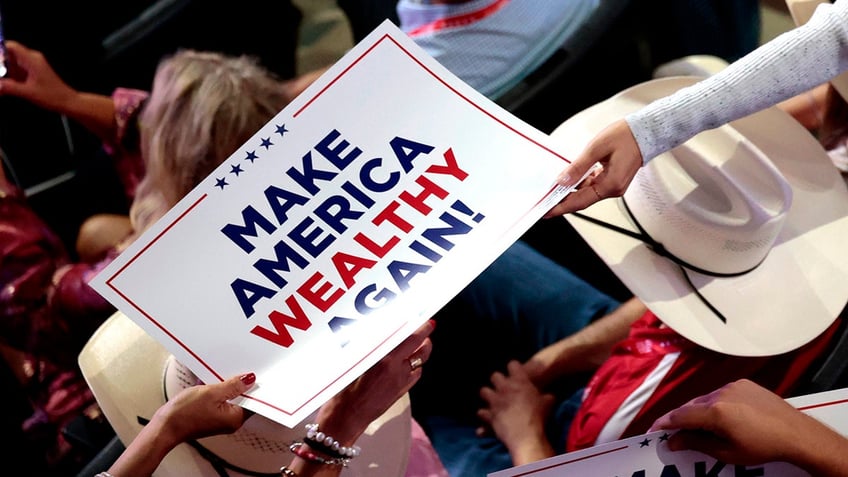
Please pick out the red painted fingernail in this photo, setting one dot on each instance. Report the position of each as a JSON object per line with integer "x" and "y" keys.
{"x": 433, "y": 324}
{"x": 248, "y": 378}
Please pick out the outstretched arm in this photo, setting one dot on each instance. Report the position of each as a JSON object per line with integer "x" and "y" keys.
{"x": 743, "y": 423}
{"x": 790, "y": 64}
{"x": 33, "y": 79}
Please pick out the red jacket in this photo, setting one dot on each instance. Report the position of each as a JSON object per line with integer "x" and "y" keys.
{"x": 655, "y": 370}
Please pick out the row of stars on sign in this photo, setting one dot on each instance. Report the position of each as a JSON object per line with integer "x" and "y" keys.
{"x": 251, "y": 156}
{"x": 647, "y": 442}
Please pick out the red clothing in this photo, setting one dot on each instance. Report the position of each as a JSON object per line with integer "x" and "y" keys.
{"x": 124, "y": 147}
{"x": 47, "y": 309}
{"x": 46, "y": 305}
{"x": 655, "y": 370}
{"x": 29, "y": 255}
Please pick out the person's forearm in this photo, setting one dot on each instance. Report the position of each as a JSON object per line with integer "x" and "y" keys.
{"x": 819, "y": 450}
{"x": 305, "y": 468}
{"x": 145, "y": 452}
{"x": 792, "y": 63}
{"x": 586, "y": 349}
{"x": 337, "y": 420}
{"x": 95, "y": 112}
{"x": 533, "y": 451}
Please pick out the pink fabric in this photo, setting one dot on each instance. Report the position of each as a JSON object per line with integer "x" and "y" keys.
{"x": 124, "y": 147}
{"x": 423, "y": 460}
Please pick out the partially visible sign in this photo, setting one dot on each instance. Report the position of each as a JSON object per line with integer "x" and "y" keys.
{"x": 648, "y": 455}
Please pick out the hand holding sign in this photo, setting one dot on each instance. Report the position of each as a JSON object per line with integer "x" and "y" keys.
{"x": 338, "y": 228}
{"x": 743, "y": 423}
{"x": 738, "y": 430}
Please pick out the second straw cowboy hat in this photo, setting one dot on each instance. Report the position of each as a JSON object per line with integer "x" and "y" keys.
{"x": 735, "y": 239}
{"x": 132, "y": 375}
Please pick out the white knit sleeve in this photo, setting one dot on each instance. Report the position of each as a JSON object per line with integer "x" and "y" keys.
{"x": 791, "y": 63}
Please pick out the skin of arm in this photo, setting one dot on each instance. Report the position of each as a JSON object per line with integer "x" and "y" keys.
{"x": 743, "y": 423}
{"x": 346, "y": 416}
{"x": 196, "y": 412}
{"x": 616, "y": 149}
{"x": 517, "y": 408}
{"x": 585, "y": 350}
{"x": 34, "y": 80}
{"x": 808, "y": 108}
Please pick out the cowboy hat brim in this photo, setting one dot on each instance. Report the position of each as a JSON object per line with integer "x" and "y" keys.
{"x": 125, "y": 369}
{"x": 795, "y": 293}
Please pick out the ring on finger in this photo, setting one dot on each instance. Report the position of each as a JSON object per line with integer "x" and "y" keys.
{"x": 415, "y": 363}
{"x": 600, "y": 197}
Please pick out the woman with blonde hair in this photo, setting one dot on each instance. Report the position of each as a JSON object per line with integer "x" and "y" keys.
{"x": 201, "y": 108}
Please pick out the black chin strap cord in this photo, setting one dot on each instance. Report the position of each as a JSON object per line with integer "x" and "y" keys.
{"x": 660, "y": 250}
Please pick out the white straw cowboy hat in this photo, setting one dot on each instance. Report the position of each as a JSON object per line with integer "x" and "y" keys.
{"x": 754, "y": 213}
{"x": 131, "y": 375}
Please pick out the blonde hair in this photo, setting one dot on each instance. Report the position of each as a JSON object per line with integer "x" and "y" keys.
{"x": 202, "y": 107}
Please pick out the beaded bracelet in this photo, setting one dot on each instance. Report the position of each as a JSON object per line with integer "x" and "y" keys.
{"x": 326, "y": 444}
{"x": 286, "y": 472}
{"x": 297, "y": 449}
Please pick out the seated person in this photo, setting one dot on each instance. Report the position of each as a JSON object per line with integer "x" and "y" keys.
{"x": 710, "y": 306}
{"x": 30, "y": 255}
{"x": 492, "y": 44}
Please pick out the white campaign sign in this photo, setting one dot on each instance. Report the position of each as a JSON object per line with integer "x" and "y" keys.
{"x": 648, "y": 456}
{"x": 338, "y": 229}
